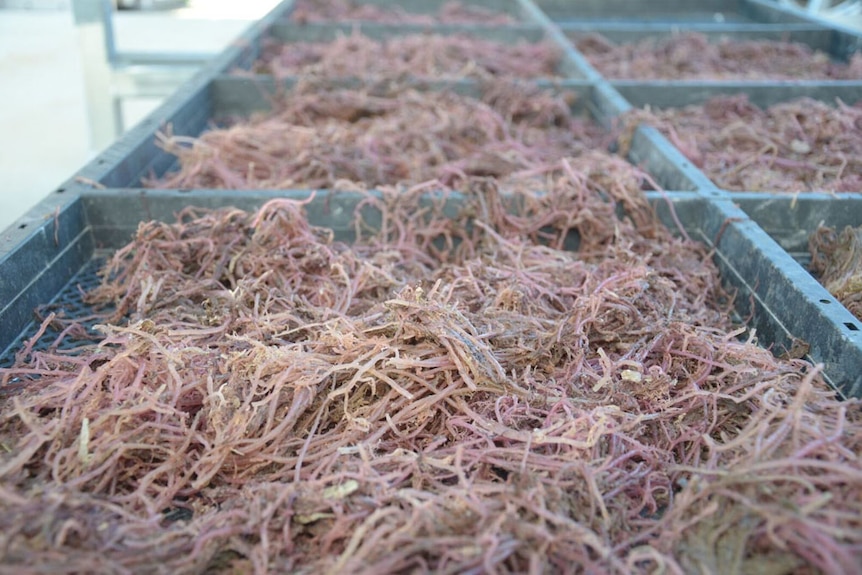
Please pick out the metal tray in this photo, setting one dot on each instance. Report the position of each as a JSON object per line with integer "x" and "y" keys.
{"x": 97, "y": 221}
{"x": 56, "y": 246}
{"x": 767, "y": 287}
{"x": 136, "y": 155}
{"x": 661, "y": 95}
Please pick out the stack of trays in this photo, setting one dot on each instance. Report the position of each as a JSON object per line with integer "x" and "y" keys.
{"x": 759, "y": 236}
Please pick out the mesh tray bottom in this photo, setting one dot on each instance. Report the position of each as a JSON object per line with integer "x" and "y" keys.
{"x": 67, "y": 305}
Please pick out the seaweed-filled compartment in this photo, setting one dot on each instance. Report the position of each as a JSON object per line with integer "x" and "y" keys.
{"x": 793, "y": 146}
{"x": 427, "y": 55}
{"x": 411, "y": 12}
{"x": 268, "y": 395}
{"x": 366, "y": 137}
{"x": 694, "y": 55}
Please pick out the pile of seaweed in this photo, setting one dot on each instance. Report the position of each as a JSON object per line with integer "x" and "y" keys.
{"x": 531, "y": 374}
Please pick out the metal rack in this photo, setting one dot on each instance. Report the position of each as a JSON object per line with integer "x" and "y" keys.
{"x": 112, "y": 75}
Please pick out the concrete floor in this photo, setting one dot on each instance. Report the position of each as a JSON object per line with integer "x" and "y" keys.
{"x": 43, "y": 125}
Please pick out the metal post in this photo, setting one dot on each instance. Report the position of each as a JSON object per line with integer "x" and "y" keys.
{"x": 96, "y": 44}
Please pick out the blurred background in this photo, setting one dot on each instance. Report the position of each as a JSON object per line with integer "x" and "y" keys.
{"x": 45, "y": 132}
